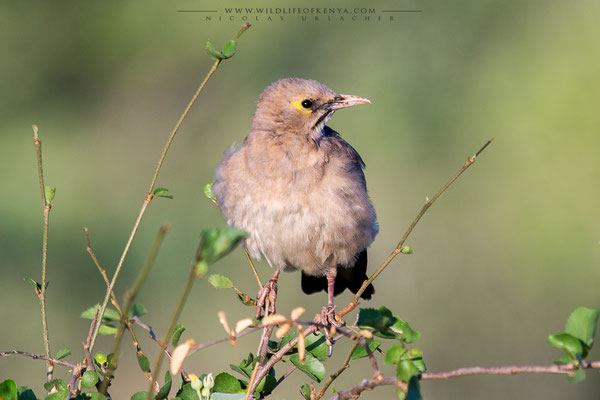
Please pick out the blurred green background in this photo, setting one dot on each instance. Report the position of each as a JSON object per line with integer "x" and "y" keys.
{"x": 500, "y": 261}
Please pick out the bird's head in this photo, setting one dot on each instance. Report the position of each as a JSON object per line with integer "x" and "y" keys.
{"x": 295, "y": 106}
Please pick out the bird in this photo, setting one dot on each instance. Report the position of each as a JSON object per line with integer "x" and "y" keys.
{"x": 298, "y": 189}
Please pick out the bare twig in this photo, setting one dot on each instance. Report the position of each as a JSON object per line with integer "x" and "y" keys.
{"x": 369, "y": 384}
{"x": 46, "y": 206}
{"x": 150, "y": 195}
{"x": 354, "y": 302}
{"x": 37, "y": 357}
{"x": 337, "y": 373}
{"x": 76, "y": 374}
{"x": 86, "y": 345}
{"x": 260, "y": 285}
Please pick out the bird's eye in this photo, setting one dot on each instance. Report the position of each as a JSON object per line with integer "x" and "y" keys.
{"x": 307, "y": 103}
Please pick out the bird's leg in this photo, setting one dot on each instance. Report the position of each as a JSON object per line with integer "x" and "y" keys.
{"x": 327, "y": 316}
{"x": 267, "y": 296}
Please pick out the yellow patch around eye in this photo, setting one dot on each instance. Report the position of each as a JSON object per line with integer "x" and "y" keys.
{"x": 297, "y": 104}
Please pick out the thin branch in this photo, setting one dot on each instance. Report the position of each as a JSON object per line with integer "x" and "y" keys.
{"x": 176, "y": 315}
{"x": 284, "y": 376}
{"x": 354, "y": 302}
{"x": 370, "y": 384}
{"x": 334, "y": 376}
{"x": 86, "y": 345}
{"x": 46, "y": 206}
{"x": 149, "y": 195}
{"x": 37, "y": 357}
{"x": 260, "y": 285}
{"x": 76, "y": 374}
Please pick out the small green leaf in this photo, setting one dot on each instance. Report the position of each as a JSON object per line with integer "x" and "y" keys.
{"x": 311, "y": 367}
{"x": 89, "y": 379}
{"x": 137, "y": 310}
{"x": 143, "y": 362}
{"x": 212, "y": 52}
{"x": 406, "y": 370}
{"x": 107, "y": 329}
{"x": 187, "y": 393}
{"x": 8, "y": 390}
{"x": 162, "y": 192}
{"x": 317, "y": 346}
{"x": 91, "y": 396}
{"x": 406, "y": 333}
{"x": 218, "y": 242}
{"x": 267, "y": 384}
{"x": 220, "y": 281}
{"x": 229, "y": 49}
{"x": 109, "y": 314}
{"x": 62, "y": 354}
{"x": 394, "y": 353}
{"x": 100, "y": 358}
{"x": 59, "y": 384}
{"x": 25, "y": 393}
{"x": 226, "y": 383}
{"x": 578, "y": 376}
{"x": 305, "y": 391}
{"x": 209, "y": 193}
{"x": 140, "y": 396}
{"x": 60, "y": 395}
{"x": 414, "y": 389}
{"x": 569, "y": 344}
{"x": 406, "y": 250}
{"x": 361, "y": 352}
{"x": 163, "y": 393}
{"x": 33, "y": 283}
{"x": 50, "y": 193}
{"x": 582, "y": 324}
{"x": 179, "y": 328}
{"x": 111, "y": 362}
{"x": 201, "y": 268}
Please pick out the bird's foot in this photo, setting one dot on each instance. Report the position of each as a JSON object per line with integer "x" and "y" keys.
{"x": 267, "y": 297}
{"x": 329, "y": 320}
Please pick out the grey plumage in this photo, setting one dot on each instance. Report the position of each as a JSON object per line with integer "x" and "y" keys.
{"x": 298, "y": 188}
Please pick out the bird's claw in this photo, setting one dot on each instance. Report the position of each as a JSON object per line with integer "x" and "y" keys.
{"x": 329, "y": 321}
{"x": 266, "y": 298}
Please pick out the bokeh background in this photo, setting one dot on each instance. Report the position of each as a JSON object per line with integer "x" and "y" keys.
{"x": 500, "y": 261}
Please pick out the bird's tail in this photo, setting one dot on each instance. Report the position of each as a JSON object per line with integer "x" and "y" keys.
{"x": 347, "y": 278}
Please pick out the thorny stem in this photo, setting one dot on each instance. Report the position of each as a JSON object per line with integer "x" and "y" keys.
{"x": 354, "y": 302}
{"x": 175, "y": 318}
{"x": 149, "y": 195}
{"x": 46, "y": 206}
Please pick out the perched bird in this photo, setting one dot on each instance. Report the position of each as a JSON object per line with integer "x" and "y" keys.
{"x": 299, "y": 190}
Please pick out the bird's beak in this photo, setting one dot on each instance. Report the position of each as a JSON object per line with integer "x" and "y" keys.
{"x": 346, "y": 100}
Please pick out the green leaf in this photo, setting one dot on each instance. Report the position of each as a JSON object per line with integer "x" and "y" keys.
{"x": 229, "y": 49}
{"x": 582, "y": 324}
{"x": 60, "y": 395}
{"x": 208, "y": 192}
{"x": 212, "y": 52}
{"x": 8, "y": 390}
{"x": 380, "y": 319}
{"x": 305, "y": 391}
{"x": 163, "y": 393}
{"x": 107, "y": 329}
{"x": 179, "y": 328}
{"x": 89, "y": 379}
{"x": 91, "y": 396}
{"x": 50, "y": 193}
{"x": 62, "y": 354}
{"x": 58, "y": 383}
{"x": 137, "y": 310}
{"x": 414, "y": 389}
{"x": 267, "y": 384}
{"x": 143, "y": 362}
{"x": 245, "y": 367}
{"x": 406, "y": 250}
{"x": 311, "y": 367}
{"x": 25, "y": 393}
{"x": 111, "y": 362}
{"x": 220, "y": 281}
{"x": 361, "y": 352}
{"x": 109, "y": 314}
{"x": 406, "y": 333}
{"x": 317, "y": 346}
{"x": 140, "y": 396}
{"x": 578, "y": 376}
{"x": 416, "y": 356}
{"x": 36, "y": 285}
{"x": 218, "y": 242}
{"x": 406, "y": 370}
{"x": 162, "y": 192}
{"x": 569, "y": 344}
{"x": 187, "y": 393}
{"x": 394, "y": 353}
{"x": 226, "y": 383}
